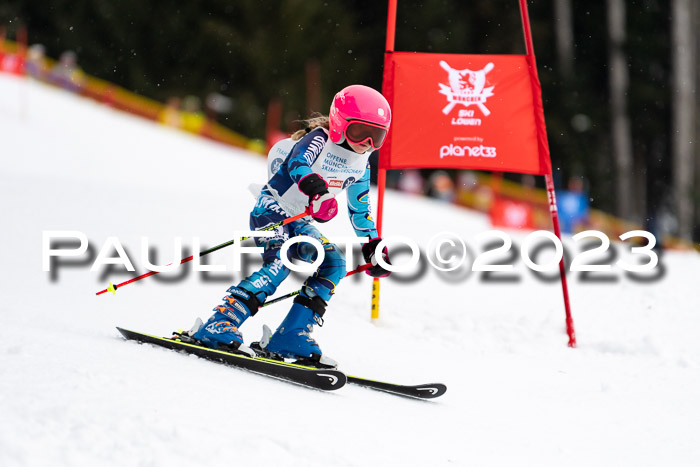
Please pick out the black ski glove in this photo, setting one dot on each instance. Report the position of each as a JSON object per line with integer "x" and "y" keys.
{"x": 312, "y": 185}
{"x": 369, "y": 251}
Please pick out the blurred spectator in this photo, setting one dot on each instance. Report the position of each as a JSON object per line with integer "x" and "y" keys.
{"x": 170, "y": 115}
{"x": 66, "y": 72}
{"x": 217, "y": 104}
{"x": 528, "y": 182}
{"x": 440, "y": 186}
{"x": 465, "y": 187}
{"x": 662, "y": 222}
{"x": 573, "y": 207}
{"x": 467, "y": 180}
{"x": 411, "y": 181}
{"x": 192, "y": 116}
{"x": 36, "y": 65}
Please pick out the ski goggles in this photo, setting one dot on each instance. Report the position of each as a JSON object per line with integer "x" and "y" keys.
{"x": 357, "y": 132}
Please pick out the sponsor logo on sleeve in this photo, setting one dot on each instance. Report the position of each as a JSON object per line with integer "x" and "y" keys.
{"x": 348, "y": 181}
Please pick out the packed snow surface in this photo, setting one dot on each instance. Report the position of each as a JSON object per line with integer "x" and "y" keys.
{"x": 73, "y": 392}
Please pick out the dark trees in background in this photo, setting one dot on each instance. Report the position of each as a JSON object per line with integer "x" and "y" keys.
{"x": 684, "y": 102}
{"x": 621, "y": 133}
{"x": 613, "y": 103}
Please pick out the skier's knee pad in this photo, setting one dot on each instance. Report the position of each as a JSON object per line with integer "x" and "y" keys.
{"x": 333, "y": 267}
{"x": 329, "y": 274}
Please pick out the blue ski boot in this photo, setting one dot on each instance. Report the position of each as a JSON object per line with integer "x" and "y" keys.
{"x": 221, "y": 329}
{"x": 293, "y": 337}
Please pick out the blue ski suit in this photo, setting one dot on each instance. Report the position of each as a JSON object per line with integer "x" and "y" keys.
{"x": 288, "y": 163}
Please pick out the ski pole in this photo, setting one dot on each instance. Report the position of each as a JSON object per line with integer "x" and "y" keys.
{"x": 113, "y": 288}
{"x": 297, "y": 292}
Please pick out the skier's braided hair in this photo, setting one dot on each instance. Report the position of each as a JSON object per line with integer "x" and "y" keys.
{"x": 316, "y": 120}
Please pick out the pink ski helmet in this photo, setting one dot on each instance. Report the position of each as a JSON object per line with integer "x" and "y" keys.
{"x": 359, "y": 114}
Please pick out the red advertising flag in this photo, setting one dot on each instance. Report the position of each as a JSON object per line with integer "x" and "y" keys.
{"x": 462, "y": 111}
{"x": 12, "y": 63}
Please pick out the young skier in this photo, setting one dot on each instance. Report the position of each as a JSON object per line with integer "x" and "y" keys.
{"x": 307, "y": 171}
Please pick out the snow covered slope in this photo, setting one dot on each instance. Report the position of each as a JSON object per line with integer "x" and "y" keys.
{"x": 72, "y": 392}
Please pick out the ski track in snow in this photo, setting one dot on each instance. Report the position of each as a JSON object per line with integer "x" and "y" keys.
{"x": 73, "y": 392}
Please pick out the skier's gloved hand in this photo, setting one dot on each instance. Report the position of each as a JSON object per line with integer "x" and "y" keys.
{"x": 323, "y": 207}
{"x": 322, "y": 204}
{"x": 369, "y": 251}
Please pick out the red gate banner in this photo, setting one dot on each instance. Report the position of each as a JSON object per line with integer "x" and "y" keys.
{"x": 12, "y": 63}
{"x": 511, "y": 214}
{"x": 474, "y": 112}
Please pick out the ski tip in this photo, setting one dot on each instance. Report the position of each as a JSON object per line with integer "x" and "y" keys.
{"x": 129, "y": 335}
{"x": 421, "y": 391}
{"x": 430, "y": 391}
